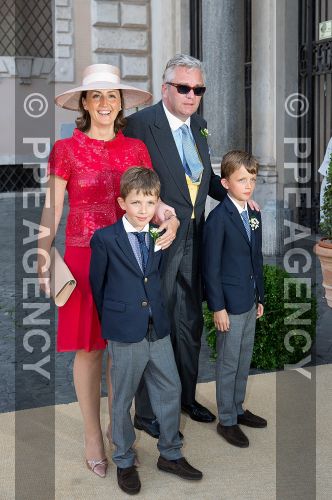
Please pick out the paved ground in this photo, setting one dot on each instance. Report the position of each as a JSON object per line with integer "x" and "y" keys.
{"x": 64, "y": 391}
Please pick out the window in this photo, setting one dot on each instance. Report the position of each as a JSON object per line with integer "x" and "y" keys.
{"x": 26, "y": 28}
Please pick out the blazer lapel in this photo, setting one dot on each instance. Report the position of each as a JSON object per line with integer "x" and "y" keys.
{"x": 165, "y": 143}
{"x": 253, "y": 231}
{"x": 203, "y": 150}
{"x": 236, "y": 218}
{"x": 151, "y": 256}
{"x": 123, "y": 242}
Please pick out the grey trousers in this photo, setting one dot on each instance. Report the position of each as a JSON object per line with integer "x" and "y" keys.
{"x": 181, "y": 284}
{"x": 155, "y": 362}
{"x": 234, "y": 352}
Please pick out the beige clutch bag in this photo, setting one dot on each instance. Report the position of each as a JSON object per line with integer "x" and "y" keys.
{"x": 62, "y": 282}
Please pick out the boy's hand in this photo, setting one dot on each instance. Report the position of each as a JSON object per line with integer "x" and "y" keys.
{"x": 221, "y": 320}
{"x": 254, "y": 205}
{"x": 260, "y": 310}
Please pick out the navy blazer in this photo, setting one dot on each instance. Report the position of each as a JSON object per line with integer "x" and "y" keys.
{"x": 124, "y": 296}
{"x": 152, "y": 127}
{"x": 232, "y": 266}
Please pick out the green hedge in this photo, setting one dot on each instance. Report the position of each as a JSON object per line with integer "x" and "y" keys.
{"x": 270, "y": 352}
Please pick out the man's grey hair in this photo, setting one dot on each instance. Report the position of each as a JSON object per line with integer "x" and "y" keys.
{"x": 184, "y": 61}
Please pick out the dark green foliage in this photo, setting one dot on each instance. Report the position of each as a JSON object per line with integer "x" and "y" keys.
{"x": 326, "y": 224}
{"x": 270, "y": 352}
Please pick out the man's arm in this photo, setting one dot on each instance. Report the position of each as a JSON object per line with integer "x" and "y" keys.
{"x": 216, "y": 190}
{"x": 213, "y": 238}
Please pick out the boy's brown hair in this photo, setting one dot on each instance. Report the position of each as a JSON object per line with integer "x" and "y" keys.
{"x": 139, "y": 179}
{"x": 233, "y": 160}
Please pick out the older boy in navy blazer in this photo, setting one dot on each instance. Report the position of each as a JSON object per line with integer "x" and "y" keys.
{"x": 126, "y": 286}
{"x": 233, "y": 277}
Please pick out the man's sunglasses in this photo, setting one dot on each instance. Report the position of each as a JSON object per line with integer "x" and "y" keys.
{"x": 185, "y": 89}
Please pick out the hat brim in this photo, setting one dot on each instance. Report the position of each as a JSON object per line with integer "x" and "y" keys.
{"x": 132, "y": 96}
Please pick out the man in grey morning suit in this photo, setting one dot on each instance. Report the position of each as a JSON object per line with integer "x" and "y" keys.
{"x": 176, "y": 139}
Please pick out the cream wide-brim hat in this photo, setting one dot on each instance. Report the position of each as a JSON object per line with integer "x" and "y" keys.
{"x": 103, "y": 77}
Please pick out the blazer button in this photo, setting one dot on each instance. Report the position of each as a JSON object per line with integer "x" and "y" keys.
{"x": 146, "y": 280}
{"x": 144, "y": 303}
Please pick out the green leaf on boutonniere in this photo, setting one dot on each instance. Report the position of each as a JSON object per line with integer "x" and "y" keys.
{"x": 154, "y": 233}
{"x": 204, "y": 132}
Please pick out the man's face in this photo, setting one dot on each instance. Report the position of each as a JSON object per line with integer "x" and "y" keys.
{"x": 182, "y": 105}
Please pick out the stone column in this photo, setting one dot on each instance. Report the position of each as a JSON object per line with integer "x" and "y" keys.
{"x": 223, "y": 57}
{"x": 165, "y": 38}
{"x": 263, "y": 118}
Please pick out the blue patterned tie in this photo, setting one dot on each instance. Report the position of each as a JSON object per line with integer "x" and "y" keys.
{"x": 143, "y": 248}
{"x": 245, "y": 218}
{"x": 191, "y": 161}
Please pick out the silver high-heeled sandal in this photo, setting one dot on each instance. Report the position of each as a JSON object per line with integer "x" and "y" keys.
{"x": 98, "y": 467}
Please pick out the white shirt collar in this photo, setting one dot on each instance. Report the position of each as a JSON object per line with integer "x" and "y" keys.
{"x": 129, "y": 228}
{"x": 238, "y": 206}
{"x": 174, "y": 122}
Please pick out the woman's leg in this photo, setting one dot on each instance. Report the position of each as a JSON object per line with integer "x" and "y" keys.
{"x": 87, "y": 379}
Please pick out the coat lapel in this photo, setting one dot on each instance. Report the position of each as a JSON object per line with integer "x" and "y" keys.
{"x": 236, "y": 218}
{"x": 203, "y": 150}
{"x": 123, "y": 242}
{"x": 151, "y": 256}
{"x": 252, "y": 213}
{"x": 165, "y": 143}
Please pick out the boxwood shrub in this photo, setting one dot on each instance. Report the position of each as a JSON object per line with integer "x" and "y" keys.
{"x": 270, "y": 352}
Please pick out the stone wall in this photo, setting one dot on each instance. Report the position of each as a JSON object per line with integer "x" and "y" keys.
{"x": 121, "y": 36}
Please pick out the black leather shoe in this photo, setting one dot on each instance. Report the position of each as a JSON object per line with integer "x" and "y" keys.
{"x": 233, "y": 435}
{"x": 179, "y": 467}
{"x": 251, "y": 420}
{"x": 198, "y": 412}
{"x": 147, "y": 425}
{"x": 128, "y": 480}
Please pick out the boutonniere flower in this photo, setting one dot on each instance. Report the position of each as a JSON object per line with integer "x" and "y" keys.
{"x": 254, "y": 223}
{"x": 204, "y": 132}
{"x": 154, "y": 233}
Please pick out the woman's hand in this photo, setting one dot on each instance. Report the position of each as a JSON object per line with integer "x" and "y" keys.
{"x": 163, "y": 212}
{"x": 49, "y": 223}
{"x": 171, "y": 226}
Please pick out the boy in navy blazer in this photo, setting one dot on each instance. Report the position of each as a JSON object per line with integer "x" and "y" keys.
{"x": 233, "y": 277}
{"x": 125, "y": 282}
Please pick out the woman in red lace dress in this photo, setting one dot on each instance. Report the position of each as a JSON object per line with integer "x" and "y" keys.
{"x": 89, "y": 166}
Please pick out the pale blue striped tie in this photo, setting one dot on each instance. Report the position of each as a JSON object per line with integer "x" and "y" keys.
{"x": 191, "y": 161}
{"x": 245, "y": 219}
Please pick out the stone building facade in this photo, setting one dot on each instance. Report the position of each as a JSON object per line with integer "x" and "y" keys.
{"x": 139, "y": 36}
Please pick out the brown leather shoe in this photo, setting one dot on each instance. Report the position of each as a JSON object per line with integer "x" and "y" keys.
{"x": 179, "y": 467}
{"x": 233, "y": 435}
{"x": 128, "y": 480}
{"x": 250, "y": 420}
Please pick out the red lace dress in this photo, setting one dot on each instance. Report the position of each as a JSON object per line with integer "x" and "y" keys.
{"x": 92, "y": 169}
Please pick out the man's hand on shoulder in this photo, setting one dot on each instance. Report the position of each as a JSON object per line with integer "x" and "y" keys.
{"x": 254, "y": 205}
{"x": 221, "y": 320}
